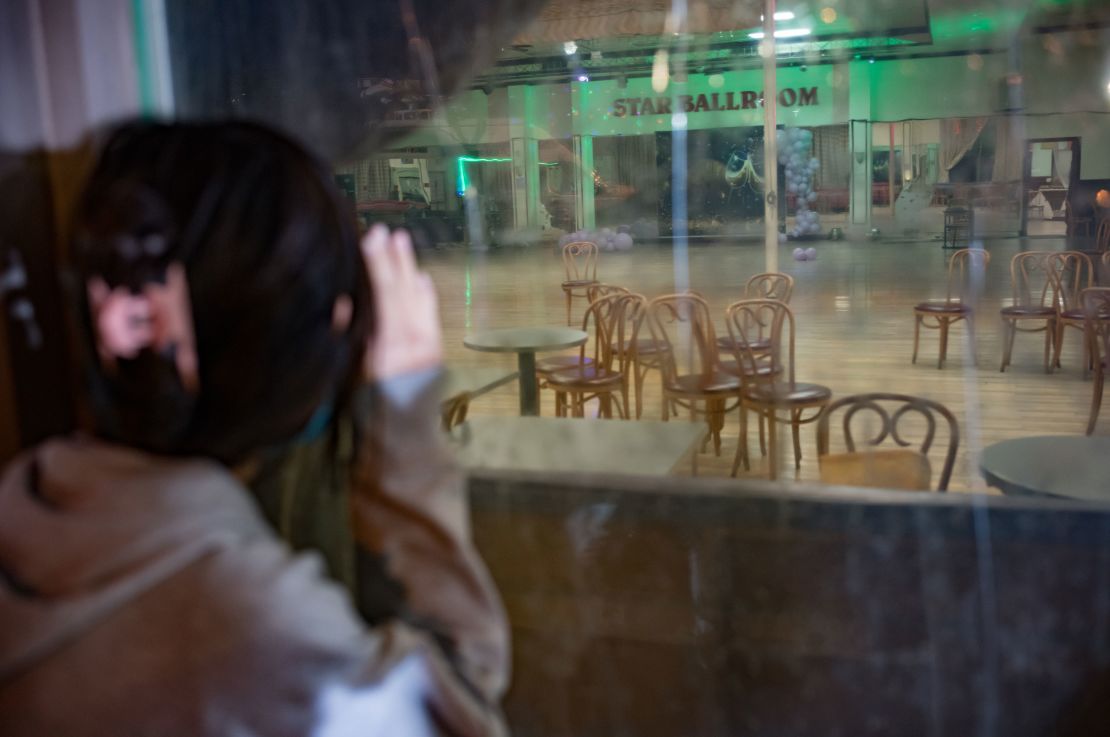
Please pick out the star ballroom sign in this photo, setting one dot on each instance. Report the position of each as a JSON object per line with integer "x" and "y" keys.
{"x": 716, "y": 101}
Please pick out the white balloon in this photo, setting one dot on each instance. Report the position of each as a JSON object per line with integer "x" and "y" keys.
{"x": 811, "y": 254}
{"x": 622, "y": 241}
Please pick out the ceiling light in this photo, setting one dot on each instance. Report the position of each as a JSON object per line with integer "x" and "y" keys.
{"x": 781, "y": 15}
{"x": 782, "y": 33}
{"x": 570, "y": 47}
{"x": 660, "y": 71}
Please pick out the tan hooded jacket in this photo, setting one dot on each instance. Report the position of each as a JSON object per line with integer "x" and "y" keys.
{"x": 145, "y": 596}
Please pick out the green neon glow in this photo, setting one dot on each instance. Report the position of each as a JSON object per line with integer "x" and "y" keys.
{"x": 142, "y": 58}
{"x": 953, "y": 26}
{"x": 468, "y": 293}
{"x": 464, "y": 182}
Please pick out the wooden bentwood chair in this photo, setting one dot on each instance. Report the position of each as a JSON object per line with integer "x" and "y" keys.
{"x": 686, "y": 346}
{"x": 769, "y": 285}
{"x": 1102, "y": 235}
{"x": 898, "y": 468}
{"x": 634, "y": 348}
{"x": 596, "y": 377}
{"x": 768, "y": 383}
{"x": 1074, "y": 272}
{"x": 547, "y": 367}
{"x": 634, "y": 355}
{"x": 957, "y": 305}
{"x": 1096, "y": 309}
{"x": 580, "y": 267}
{"x": 1036, "y": 288}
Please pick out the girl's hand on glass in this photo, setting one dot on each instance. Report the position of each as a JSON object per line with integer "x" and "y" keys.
{"x": 407, "y": 336}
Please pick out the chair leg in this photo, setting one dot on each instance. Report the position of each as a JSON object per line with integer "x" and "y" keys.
{"x": 1009, "y": 328}
{"x": 916, "y": 335}
{"x": 638, "y": 373}
{"x": 773, "y": 446}
{"x": 605, "y": 402}
{"x": 741, "y": 443}
{"x": 578, "y": 404}
{"x": 718, "y": 425}
{"x": 762, "y": 437}
{"x": 567, "y": 293}
{"x": 1088, "y": 364}
{"x": 1057, "y": 344}
{"x": 1049, "y": 339}
{"x": 943, "y": 342}
{"x": 666, "y": 408}
{"x": 795, "y": 429}
{"x": 1096, "y": 401}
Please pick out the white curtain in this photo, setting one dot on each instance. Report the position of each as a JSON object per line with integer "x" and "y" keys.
{"x": 1061, "y": 163}
{"x": 957, "y": 136}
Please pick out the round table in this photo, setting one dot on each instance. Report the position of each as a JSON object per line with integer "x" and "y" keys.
{"x": 525, "y": 343}
{"x": 1065, "y": 466}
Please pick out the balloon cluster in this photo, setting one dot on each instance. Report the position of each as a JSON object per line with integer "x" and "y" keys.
{"x": 607, "y": 239}
{"x": 794, "y": 145}
{"x": 805, "y": 254}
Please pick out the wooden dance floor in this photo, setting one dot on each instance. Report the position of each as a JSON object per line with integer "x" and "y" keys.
{"x": 855, "y": 333}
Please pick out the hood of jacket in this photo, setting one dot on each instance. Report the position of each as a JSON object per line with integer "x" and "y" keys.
{"x": 85, "y": 527}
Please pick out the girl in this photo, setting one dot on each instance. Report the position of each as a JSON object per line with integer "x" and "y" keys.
{"x": 229, "y": 311}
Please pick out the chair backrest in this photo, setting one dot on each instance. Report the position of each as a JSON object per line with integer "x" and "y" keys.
{"x": 762, "y": 333}
{"x": 1074, "y": 273}
{"x": 770, "y": 285}
{"x": 453, "y": 410}
{"x": 598, "y": 291}
{"x": 1095, "y": 303}
{"x": 965, "y": 269}
{"x": 1034, "y": 279}
{"x": 682, "y": 333}
{"x": 633, "y": 310}
{"x": 580, "y": 260}
{"x": 1102, "y": 235}
{"x": 886, "y": 412}
{"x": 601, "y": 322}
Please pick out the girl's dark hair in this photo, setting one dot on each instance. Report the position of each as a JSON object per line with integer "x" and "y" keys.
{"x": 268, "y": 245}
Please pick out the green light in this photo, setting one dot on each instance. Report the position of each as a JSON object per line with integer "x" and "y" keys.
{"x": 468, "y": 292}
{"x": 463, "y": 161}
{"x": 464, "y": 183}
{"x": 955, "y": 25}
{"x": 142, "y": 54}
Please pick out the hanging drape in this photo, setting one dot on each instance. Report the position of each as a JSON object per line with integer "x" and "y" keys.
{"x": 1061, "y": 165}
{"x": 957, "y": 137}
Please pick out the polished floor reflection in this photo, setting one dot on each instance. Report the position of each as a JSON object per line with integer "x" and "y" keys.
{"x": 854, "y": 332}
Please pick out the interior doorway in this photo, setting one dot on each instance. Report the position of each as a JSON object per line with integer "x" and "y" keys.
{"x": 1051, "y": 170}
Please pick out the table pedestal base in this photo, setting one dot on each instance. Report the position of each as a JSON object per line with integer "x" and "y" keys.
{"x": 529, "y": 387}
